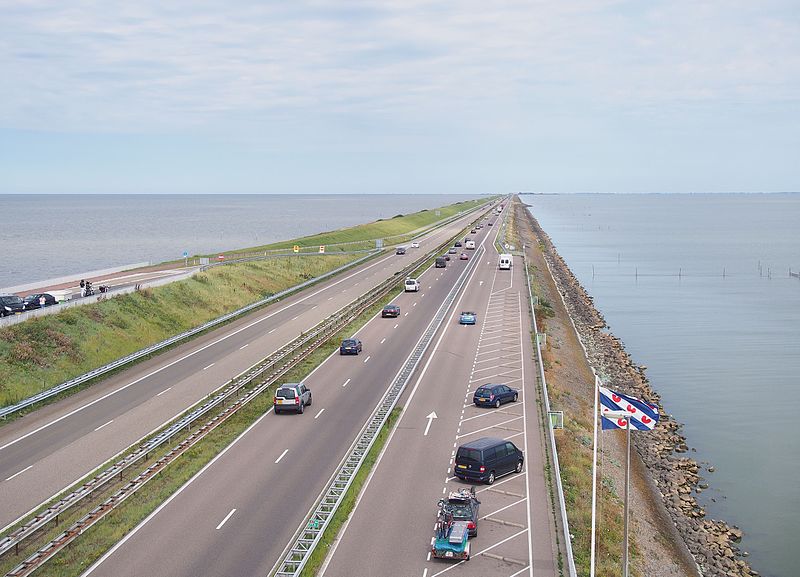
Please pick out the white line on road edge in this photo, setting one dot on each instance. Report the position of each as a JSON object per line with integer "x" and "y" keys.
{"x": 209, "y": 366}
{"x": 164, "y": 391}
{"x": 278, "y": 460}
{"x": 244, "y": 346}
{"x": 19, "y": 472}
{"x": 104, "y": 424}
{"x": 225, "y": 520}
{"x": 318, "y": 414}
{"x": 345, "y": 383}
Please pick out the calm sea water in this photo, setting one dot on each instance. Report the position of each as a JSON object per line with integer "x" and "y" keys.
{"x": 697, "y": 287}
{"x": 47, "y": 236}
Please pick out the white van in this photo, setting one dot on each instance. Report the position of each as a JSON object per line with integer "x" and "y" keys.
{"x": 505, "y": 262}
{"x": 411, "y": 285}
{"x": 470, "y": 244}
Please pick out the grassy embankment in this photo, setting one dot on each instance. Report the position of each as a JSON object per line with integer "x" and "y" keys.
{"x": 574, "y": 442}
{"x": 73, "y": 560}
{"x": 45, "y": 351}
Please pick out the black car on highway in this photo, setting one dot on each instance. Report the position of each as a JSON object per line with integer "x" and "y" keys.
{"x": 490, "y": 395}
{"x": 11, "y": 305}
{"x": 390, "y": 311}
{"x": 486, "y": 459}
{"x": 350, "y": 347}
{"x": 34, "y": 301}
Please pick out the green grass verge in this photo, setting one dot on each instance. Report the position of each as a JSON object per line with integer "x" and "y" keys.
{"x": 45, "y": 351}
{"x": 73, "y": 560}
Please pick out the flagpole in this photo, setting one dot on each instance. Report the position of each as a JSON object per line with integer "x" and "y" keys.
{"x": 594, "y": 473}
{"x": 627, "y": 489}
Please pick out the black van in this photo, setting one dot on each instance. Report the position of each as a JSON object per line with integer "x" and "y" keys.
{"x": 441, "y": 262}
{"x": 488, "y": 458}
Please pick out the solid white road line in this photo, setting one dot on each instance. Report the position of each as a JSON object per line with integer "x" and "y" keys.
{"x": 225, "y": 520}
{"x": 164, "y": 391}
{"x": 209, "y": 366}
{"x": 345, "y": 383}
{"x": 19, "y": 472}
{"x": 278, "y": 460}
{"x": 244, "y": 346}
{"x": 104, "y": 424}
{"x": 318, "y": 414}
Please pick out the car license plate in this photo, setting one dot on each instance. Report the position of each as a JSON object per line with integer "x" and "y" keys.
{"x": 462, "y": 466}
{"x": 449, "y": 554}
{"x": 482, "y": 400}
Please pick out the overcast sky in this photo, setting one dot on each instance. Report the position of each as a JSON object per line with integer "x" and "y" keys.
{"x": 399, "y": 96}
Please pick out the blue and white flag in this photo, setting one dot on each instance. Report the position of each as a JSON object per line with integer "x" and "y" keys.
{"x": 643, "y": 416}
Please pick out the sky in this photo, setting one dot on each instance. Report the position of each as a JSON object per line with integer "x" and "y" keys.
{"x": 399, "y": 96}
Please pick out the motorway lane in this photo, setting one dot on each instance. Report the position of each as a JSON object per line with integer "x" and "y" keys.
{"x": 395, "y": 516}
{"x": 271, "y": 499}
{"x": 50, "y": 449}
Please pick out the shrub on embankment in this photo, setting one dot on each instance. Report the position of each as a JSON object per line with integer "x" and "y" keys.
{"x": 45, "y": 351}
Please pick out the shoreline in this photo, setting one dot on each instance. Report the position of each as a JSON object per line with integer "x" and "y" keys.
{"x": 667, "y": 474}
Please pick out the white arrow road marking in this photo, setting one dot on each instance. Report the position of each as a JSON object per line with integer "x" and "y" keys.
{"x": 19, "y": 472}
{"x": 225, "y": 520}
{"x": 278, "y": 460}
{"x": 430, "y": 418}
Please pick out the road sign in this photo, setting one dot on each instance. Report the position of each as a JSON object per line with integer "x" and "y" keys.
{"x": 296, "y": 248}
{"x": 185, "y": 254}
{"x": 556, "y": 419}
{"x": 321, "y": 248}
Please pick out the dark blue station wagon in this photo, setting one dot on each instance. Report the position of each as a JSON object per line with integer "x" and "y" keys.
{"x": 490, "y": 395}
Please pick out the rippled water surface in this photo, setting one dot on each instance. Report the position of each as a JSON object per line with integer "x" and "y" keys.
{"x": 47, "y": 236}
{"x": 698, "y": 288}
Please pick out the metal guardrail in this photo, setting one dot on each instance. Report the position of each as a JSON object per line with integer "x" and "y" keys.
{"x": 308, "y": 535}
{"x": 274, "y": 366}
{"x": 44, "y": 395}
{"x": 551, "y": 437}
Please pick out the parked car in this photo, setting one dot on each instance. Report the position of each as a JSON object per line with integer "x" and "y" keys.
{"x": 464, "y": 256}
{"x": 293, "y": 397}
{"x": 411, "y": 285}
{"x": 457, "y": 244}
{"x": 415, "y": 245}
{"x": 494, "y": 395}
{"x": 441, "y": 261}
{"x": 486, "y": 459}
{"x": 34, "y": 301}
{"x": 400, "y": 250}
{"x": 11, "y": 305}
{"x": 463, "y": 505}
{"x": 390, "y": 311}
{"x": 452, "y": 250}
{"x": 350, "y": 347}
{"x": 467, "y": 318}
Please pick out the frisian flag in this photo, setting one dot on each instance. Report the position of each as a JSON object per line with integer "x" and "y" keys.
{"x": 644, "y": 416}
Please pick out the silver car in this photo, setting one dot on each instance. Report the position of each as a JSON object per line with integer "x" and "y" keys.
{"x": 294, "y": 397}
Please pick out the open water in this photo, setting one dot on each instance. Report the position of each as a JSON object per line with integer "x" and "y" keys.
{"x": 698, "y": 288}
{"x": 48, "y": 236}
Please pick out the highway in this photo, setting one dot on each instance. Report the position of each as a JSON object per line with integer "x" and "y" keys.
{"x": 46, "y": 451}
{"x": 391, "y": 529}
{"x": 239, "y": 513}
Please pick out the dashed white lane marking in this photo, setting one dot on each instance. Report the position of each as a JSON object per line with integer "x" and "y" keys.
{"x": 225, "y": 520}
{"x": 19, "y": 472}
{"x": 164, "y": 391}
{"x": 383, "y": 340}
{"x": 405, "y": 315}
{"x": 244, "y": 346}
{"x": 272, "y": 331}
{"x": 415, "y": 304}
{"x": 318, "y": 414}
{"x": 425, "y": 573}
{"x": 330, "y": 298}
{"x": 295, "y": 318}
{"x": 278, "y": 460}
{"x": 345, "y": 383}
{"x": 104, "y": 424}
{"x": 368, "y": 358}
{"x": 209, "y": 366}
{"x": 397, "y": 325}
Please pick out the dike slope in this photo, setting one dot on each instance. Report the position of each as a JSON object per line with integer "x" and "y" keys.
{"x": 669, "y": 529}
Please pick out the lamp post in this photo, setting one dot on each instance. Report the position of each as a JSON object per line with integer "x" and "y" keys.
{"x": 626, "y": 416}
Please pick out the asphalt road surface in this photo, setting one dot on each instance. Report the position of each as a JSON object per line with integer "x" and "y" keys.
{"x": 48, "y": 450}
{"x": 391, "y": 529}
{"x": 237, "y": 516}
